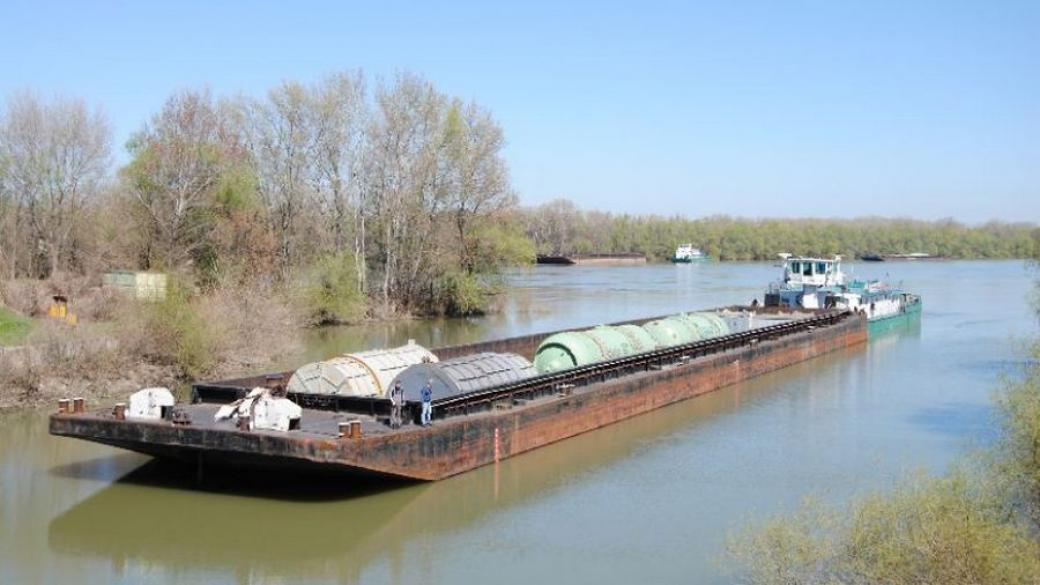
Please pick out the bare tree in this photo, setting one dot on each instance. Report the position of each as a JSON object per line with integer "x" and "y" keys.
{"x": 407, "y": 188}
{"x": 179, "y": 159}
{"x": 281, "y": 142}
{"x": 54, "y": 155}
{"x": 339, "y": 117}
{"x": 479, "y": 180}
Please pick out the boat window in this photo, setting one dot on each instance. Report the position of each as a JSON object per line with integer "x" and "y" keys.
{"x": 821, "y": 268}
{"x": 807, "y": 269}
{"x": 796, "y": 266}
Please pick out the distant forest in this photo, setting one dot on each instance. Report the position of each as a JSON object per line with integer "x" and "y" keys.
{"x": 560, "y": 227}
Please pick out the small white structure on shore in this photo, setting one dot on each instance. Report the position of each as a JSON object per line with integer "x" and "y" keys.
{"x": 143, "y": 286}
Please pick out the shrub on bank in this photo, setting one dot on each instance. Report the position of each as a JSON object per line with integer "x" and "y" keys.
{"x": 977, "y": 525}
{"x": 173, "y": 332}
{"x": 462, "y": 295}
{"x": 928, "y": 530}
{"x": 330, "y": 292}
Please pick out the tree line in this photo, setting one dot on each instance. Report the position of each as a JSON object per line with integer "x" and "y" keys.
{"x": 395, "y": 198}
{"x": 360, "y": 198}
{"x": 560, "y": 227}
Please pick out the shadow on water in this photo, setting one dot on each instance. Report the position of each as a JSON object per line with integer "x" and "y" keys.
{"x": 158, "y": 473}
{"x": 107, "y": 468}
{"x": 316, "y": 527}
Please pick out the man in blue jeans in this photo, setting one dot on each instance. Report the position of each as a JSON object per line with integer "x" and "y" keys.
{"x": 427, "y": 403}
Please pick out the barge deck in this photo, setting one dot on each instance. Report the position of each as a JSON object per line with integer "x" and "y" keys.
{"x": 474, "y": 429}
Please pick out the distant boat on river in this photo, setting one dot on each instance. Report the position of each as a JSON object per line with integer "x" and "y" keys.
{"x": 686, "y": 254}
{"x": 593, "y": 259}
{"x": 910, "y": 256}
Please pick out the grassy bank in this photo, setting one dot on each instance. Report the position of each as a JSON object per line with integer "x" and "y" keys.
{"x": 14, "y": 328}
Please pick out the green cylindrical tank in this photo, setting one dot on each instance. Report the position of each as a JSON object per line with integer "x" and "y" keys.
{"x": 721, "y": 327}
{"x": 706, "y": 324}
{"x": 566, "y": 350}
{"x": 700, "y": 323}
{"x": 612, "y": 343}
{"x": 671, "y": 331}
{"x": 641, "y": 341}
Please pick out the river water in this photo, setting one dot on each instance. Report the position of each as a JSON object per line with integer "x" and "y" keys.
{"x": 648, "y": 500}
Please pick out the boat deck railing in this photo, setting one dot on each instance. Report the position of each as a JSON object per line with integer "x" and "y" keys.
{"x": 565, "y": 381}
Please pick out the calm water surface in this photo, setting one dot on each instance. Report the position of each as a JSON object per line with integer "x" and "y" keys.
{"x": 649, "y": 500}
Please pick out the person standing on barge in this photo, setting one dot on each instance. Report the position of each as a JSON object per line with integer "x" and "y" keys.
{"x": 396, "y": 405}
{"x": 427, "y": 403}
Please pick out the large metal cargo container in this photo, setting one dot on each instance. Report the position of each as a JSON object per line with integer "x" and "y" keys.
{"x": 640, "y": 339}
{"x": 707, "y": 325}
{"x": 613, "y": 343}
{"x": 367, "y": 373}
{"x": 464, "y": 374}
{"x": 671, "y": 331}
{"x": 566, "y": 350}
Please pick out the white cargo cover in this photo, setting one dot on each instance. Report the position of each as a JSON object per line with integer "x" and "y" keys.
{"x": 265, "y": 412}
{"x": 366, "y": 373}
{"x": 148, "y": 403}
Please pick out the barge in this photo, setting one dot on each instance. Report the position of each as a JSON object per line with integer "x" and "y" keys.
{"x": 603, "y": 259}
{"x": 349, "y": 435}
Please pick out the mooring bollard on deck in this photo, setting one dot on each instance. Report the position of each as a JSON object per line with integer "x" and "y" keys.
{"x": 63, "y": 406}
{"x": 120, "y": 411}
{"x": 350, "y": 429}
{"x": 78, "y": 405}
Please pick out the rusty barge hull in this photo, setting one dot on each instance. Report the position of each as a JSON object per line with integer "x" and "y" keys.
{"x": 511, "y": 421}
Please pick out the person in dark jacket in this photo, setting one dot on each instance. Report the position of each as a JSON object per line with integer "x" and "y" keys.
{"x": 427, "y": 403}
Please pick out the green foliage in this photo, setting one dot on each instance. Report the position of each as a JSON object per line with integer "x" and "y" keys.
{"x": 501, "y": 244}
{"x": 14, "y": 328}
{"x": 788, "y": 550}
{"x": 1016, "y": 458}
{"x": 462, "y": 294}
{"x": 928, "y": 530}
{"x": 236, "y": 190}
{"x": 176, "y": 333}
{"x": 330, "y": 292}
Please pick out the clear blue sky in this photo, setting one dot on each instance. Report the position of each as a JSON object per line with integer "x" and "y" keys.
{"x": 835, "y": 108}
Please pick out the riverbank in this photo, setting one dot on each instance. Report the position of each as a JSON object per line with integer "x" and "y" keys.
{"x": 117, "y": 345}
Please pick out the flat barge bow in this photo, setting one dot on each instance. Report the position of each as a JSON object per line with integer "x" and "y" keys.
{"x": 472, "y": 429}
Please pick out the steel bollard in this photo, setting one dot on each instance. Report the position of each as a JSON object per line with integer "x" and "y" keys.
{"x": 120, "y": 411}
{"x": 63, "y": 406}
{"x": 78, "y": 406}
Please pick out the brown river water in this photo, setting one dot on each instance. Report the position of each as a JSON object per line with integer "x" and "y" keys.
{"x": 648, "y": 500}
